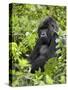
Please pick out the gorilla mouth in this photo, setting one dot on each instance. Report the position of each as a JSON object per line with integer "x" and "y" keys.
{"x": 46, "y": 41}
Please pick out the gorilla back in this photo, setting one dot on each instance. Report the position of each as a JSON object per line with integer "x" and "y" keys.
{"x": 45, "y": 47}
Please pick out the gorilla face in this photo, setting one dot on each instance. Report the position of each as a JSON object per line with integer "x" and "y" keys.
{"x": 43, "y": 33}
{"x": 45, "y": 36}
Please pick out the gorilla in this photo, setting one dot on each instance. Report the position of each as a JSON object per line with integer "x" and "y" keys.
{"x": 45, "y": 47}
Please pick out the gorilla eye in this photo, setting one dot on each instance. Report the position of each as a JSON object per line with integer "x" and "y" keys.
{"x": 52, "y": 25}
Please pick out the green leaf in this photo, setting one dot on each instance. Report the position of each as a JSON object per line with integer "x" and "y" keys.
{"x": 49, "y": 80}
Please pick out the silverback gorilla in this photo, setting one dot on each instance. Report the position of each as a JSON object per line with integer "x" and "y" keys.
{"x": 45, "y": 47}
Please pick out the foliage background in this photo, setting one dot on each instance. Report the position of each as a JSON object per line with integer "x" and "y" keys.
{"x": 24, "y": 20}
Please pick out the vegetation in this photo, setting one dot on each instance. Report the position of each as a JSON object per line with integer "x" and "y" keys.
{"x": 23, "y": 23}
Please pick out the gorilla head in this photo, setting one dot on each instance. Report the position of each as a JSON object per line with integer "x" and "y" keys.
{"x": 47, "y": 29}
{"x": 45, "y": 47}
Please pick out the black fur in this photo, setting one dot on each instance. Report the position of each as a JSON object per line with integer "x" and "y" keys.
{"x": 45, "y": 47}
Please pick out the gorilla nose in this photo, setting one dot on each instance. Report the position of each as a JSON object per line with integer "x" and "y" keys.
{"x": 43, "y": 35}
